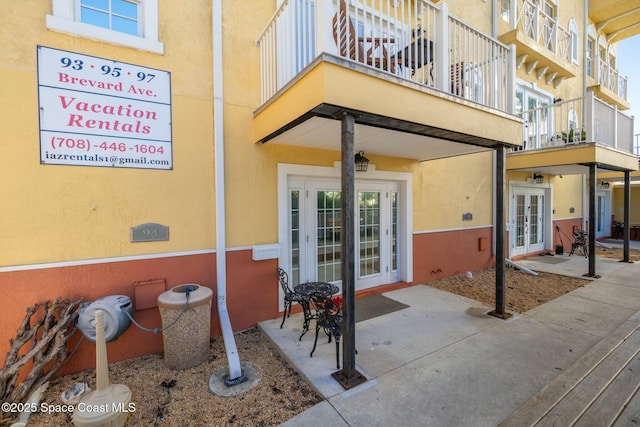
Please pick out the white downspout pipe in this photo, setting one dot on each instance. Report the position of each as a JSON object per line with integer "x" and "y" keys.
{"x": 584, "y": 94}
{"x": 235, "y": 371}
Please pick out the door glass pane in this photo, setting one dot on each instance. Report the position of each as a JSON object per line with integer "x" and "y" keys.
{"x": 394, "y": 231}
{"x": 600, "y": 212}
{"x": 544, "y": 122}
{"x": 520, "y": 220}
{"x": 295, "y": 237}
{"x": 533, "y": 230}
{"x": 329, "y": 236}
{"x": 369, "y": 232}
{"x": 532, "y": 122}
{"x": 541, "y": 225}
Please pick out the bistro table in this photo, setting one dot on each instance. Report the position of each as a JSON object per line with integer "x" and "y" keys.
{"x": 306, "y": 290}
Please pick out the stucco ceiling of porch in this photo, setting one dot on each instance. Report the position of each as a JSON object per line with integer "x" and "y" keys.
{"x": 374, "y": 134}
{"x": 618, "y": 19}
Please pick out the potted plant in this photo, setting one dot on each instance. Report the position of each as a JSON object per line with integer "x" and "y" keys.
{"x": 570, "y": 137}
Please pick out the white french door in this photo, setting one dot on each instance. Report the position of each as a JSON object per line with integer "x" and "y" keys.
{"x": 316, "y": 232}
{"x": 603, "y": 214}
{"x": 529, "y": 213}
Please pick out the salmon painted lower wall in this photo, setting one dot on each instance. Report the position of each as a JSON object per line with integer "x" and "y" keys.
{"x": 563, "y": 232}
{"x": 447, "y": 253}
{"x": 252, "y": 295}
{"x": 252, "y": 288}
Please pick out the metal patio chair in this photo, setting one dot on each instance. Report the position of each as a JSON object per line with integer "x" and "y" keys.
{"x": 328, "y": 318}
{"x": 290, "y": 296}
{"x": 580, "y": 241}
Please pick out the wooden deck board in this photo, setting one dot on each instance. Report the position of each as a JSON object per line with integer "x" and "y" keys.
{"x": 593, "y": 385}
{"x": 610, "y": 404}
{"x": 631, "y": 414}
{"x": 540, "y": 405}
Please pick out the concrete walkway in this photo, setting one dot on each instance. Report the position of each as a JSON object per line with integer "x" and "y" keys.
{"x": 444, "y": 362}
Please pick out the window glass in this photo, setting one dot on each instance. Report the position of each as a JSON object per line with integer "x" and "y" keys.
{"x": 538, "y": 120}
{"x": 117, "y": 15}
{"x": 131, "y": 23}
{"x": 98, "y": 4}
{"x": 295, "y": 236}
{"x": 124, "y": 8}
{"x": 94, "y": 17}
{"x": 550, "y": 9}
{"x": 590, "y": 55}
{"x": 505, "y": 9}
{"x": 573, "y": 119}
{"x": 573, "y": 30}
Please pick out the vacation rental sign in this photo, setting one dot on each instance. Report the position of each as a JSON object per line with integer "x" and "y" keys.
{"x": 99, "y": 112}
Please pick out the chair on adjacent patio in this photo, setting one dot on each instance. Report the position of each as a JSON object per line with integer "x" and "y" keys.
{"x": 618, "y": 230}
{"x": 580, "y": 241}
{"x": 328, "y": 318}
{"x": 290, "y": 296}
{"x": 351, "y": 46}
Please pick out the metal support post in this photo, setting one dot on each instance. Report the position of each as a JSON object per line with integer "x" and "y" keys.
{"x": 500, "y": 229}
{"x": 627, "y": 217}
{"x": 348, "y": 376}
{"x": 592, "y": 221}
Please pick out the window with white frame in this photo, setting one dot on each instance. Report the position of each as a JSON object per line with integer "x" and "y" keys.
{"x": 573, "y": 30}
{"x": 536, "y": 115}
{"x": 550, "y": 8}
{"x": 505, "y": 10}
{"x": 573, "y": 119}
{"x": 116, "y": 15}
{"x": 131, "y": 23}
{"x": 591, "y": 43}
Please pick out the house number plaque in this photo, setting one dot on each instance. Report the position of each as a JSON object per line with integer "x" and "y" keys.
{"x": 149, "y": 233}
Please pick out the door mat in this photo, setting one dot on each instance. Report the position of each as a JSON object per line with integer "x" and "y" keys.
{"x": 375, "y": 305}
{"x": 548, "y": 259}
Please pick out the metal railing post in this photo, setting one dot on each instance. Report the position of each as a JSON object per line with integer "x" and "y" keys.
{"x": 587, "y": 117}
{"x": 441, "y": 61}
{"x": 511, "y": 80}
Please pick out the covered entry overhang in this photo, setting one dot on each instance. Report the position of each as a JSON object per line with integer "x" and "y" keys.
{"x": 589, "y": 159}
{"x": 572, "y": 159}
{"x": 336, "y": 104}
{"x": 393, "y": 117}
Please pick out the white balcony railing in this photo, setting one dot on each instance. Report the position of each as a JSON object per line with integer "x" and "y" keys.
{"x": 413, "y": 40}
{"x": 610, "y": 78}
{"x": 529, "y": 17}
{"x": 563, "y": 123}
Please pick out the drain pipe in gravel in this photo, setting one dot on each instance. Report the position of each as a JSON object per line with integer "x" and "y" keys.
{"x": 235, "y": 371}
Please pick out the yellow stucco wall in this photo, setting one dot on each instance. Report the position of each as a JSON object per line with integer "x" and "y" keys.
{"x": 567, "y": 194}
{"x": 445, "y": 189}
{"x": 62, "y": 213}
{"x": 634, "y": 208}
{"x": 475, "y": 12}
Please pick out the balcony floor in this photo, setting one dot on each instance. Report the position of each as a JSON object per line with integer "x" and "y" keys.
{"x": 394, "y": 117}
{"x": 572, "y": 159}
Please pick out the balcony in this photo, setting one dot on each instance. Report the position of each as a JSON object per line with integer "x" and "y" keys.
{"x": 542, "y": 45}
{"x": 409, "y": 71}
{"x": 610, "y": 86}
{"x": 556, "y": 143}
